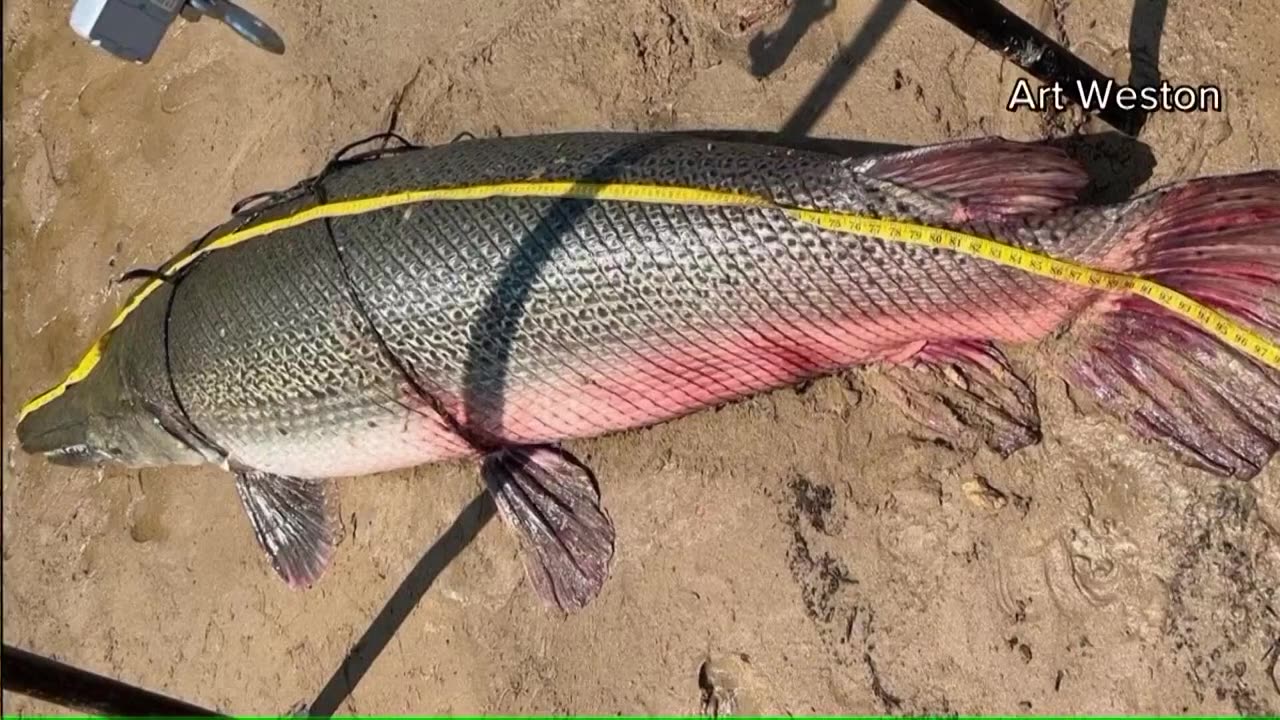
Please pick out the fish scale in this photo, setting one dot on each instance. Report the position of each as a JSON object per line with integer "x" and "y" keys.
{"x": 497, "y": 297}
{"x": 423, "y": 274}
{"x": 267, "y": 337}
{"x": 696, "y": 268}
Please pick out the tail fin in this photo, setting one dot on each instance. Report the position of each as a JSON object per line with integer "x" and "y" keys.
{"x": 1216, "y": 240}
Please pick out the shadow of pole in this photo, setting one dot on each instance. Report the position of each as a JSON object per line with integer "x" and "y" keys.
{"x": 494, "y": 329}
{"x": 851, "y": 56}
{"x": 770, "y": 50}
{"x": 489, "y": 352}
{"x": 484, "y": 390}
{"x": 360, "y": 658}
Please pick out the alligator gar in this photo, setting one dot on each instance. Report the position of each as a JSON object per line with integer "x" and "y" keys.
{"x": 492, "y": 298}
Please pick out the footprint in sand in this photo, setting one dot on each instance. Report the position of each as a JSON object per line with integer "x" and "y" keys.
{"x": 145, "y": 515}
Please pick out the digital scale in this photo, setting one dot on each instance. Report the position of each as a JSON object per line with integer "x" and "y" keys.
{"x": 133, "y": 29}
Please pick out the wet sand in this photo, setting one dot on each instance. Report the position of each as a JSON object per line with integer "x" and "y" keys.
{"x": 799, "y": 552}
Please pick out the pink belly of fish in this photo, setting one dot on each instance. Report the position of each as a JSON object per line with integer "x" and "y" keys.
{"x": 673, "y": 378}
{"x": 673, "y": 374}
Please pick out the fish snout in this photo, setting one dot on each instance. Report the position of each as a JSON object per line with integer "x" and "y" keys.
{"x": 76, "y": 456}
{"x": 64, "y": 440}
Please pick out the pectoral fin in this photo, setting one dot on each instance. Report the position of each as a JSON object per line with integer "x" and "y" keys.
{"x": 295, "y": 522}
{"x": 551, "y": 502}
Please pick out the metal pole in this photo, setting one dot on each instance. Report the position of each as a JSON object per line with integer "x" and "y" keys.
{"x": 49, "y": 680}
{"x": 988, "y": 22}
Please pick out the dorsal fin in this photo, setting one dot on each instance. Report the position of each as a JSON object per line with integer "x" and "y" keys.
{"x": 990, "y": 176}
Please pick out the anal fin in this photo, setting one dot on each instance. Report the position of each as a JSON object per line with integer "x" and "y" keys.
{"x": 552, "y": 504}
{"x": 295, "y": 522}
{"x": 966, "y": 393}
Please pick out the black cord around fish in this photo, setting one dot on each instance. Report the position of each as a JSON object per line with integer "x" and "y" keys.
{"x": 476, "y": 443}
{"x": 246, "y": 211}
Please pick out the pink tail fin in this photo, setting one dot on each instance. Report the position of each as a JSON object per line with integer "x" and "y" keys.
{"x": 1216, "y": 240}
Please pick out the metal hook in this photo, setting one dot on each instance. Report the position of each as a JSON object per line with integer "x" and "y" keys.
{"x": 245, "y": 23}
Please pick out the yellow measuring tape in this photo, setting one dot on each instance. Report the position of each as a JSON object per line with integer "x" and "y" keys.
{"x": 1226, "y": 329}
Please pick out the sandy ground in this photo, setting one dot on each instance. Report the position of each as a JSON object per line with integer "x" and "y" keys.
{"x": 800, "y": 552}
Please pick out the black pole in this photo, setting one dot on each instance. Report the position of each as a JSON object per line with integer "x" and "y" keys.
{"x": 49, "y": 680}
{"x": 988, "y": 22}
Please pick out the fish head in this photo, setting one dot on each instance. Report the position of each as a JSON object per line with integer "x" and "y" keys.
{"x": 98, "y": 421}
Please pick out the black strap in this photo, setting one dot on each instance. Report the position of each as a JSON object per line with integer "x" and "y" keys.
{"x": 146, "y": 273}
{"x": 473, "y": 439}
{"x": 252, "y": 207}
{"x": 188, "y": 425}
{"x": 72, "y": 687}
